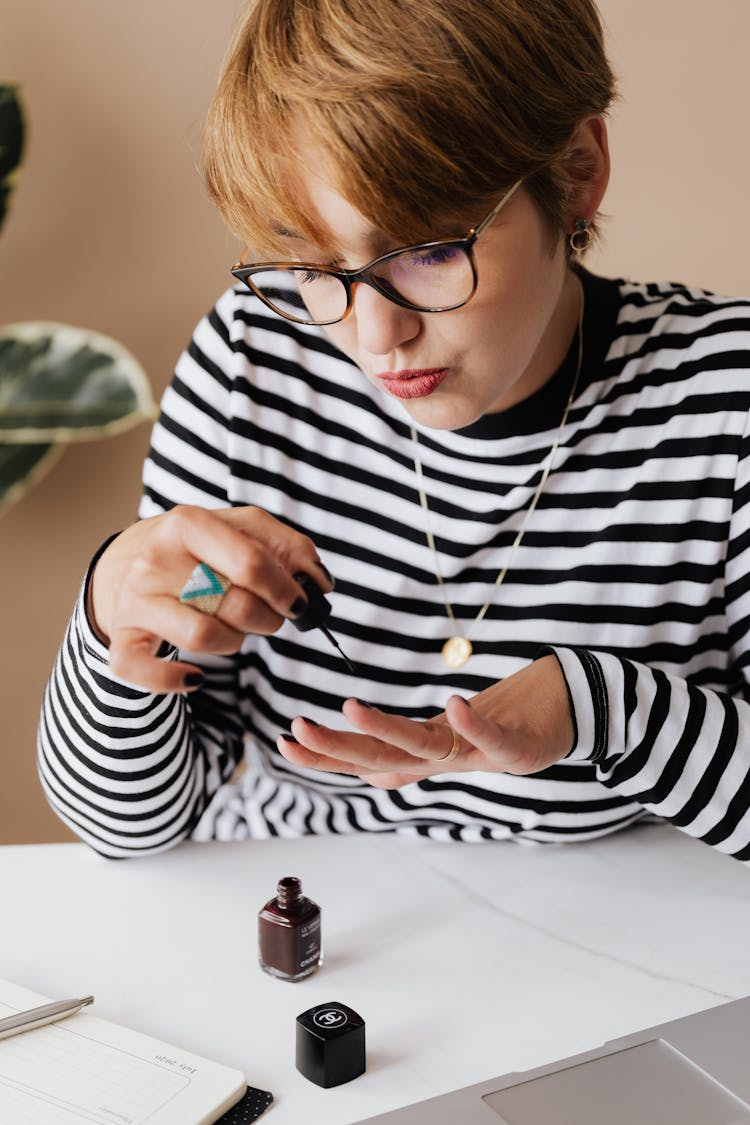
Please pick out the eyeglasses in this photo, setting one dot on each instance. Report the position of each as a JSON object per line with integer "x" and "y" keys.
{"x": 431, "y": 277}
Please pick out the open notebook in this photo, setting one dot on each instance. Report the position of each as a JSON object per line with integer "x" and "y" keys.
{"x": 85, "y": 1069}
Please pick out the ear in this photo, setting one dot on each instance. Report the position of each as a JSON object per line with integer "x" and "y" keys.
{"x": 587, "y": 168}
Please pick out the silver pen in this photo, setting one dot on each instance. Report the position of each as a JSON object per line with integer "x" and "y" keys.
{"x": 37, "y": 1017}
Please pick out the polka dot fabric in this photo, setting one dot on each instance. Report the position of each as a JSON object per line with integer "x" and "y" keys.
{"x": 249, "y": 1108}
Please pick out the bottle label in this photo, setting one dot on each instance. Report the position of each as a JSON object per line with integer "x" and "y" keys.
{"x": 287, "y": 944}
{"x": 309, "y": 942}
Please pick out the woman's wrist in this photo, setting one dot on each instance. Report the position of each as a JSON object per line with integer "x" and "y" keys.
{"x": 88, "y": 592}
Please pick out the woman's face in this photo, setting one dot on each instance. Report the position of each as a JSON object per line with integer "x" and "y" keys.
{"x": 450, "y": 368}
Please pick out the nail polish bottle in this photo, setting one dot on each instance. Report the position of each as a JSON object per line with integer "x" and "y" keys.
{"x": 289, "y": 932}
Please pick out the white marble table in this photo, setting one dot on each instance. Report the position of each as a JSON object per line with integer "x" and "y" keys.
{"x": 466, "y": 961}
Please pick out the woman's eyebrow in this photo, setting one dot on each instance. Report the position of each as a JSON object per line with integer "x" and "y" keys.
{"x": 379, "y": 243}
{"x": 283, "y": 231}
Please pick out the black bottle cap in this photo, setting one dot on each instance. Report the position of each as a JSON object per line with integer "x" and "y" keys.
{"x": 317, "y": 610}
{"x": 330, "y": 1044}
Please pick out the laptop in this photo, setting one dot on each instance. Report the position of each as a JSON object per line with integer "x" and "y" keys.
{"x": 691, "y": 1071}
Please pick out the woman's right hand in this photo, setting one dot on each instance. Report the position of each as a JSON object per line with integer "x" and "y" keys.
{"x": 134, "y": 593}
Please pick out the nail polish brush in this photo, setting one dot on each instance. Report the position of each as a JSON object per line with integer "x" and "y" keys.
{"x": 316, "y": 613}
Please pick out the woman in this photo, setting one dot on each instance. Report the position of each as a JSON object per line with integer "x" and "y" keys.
{"x": 530, "y": 483}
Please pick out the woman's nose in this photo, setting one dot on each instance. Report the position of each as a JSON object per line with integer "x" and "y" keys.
{"x": 381, "y": 324}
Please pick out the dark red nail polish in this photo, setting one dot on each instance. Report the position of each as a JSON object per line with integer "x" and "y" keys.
{"x": 193, "y": 679}
{"x": 289, "y": 737}
{"x": 327, "y": 573}
{"x": 289, "y": 932}
{"x": 310, "y": 721}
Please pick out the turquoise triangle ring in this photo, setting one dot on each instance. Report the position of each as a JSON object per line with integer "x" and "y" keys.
{"x": 205, "y": 589}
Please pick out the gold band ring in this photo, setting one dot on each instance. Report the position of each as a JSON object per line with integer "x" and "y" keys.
{"x": 455, "y": 747}
{"x": 205, "y": 589}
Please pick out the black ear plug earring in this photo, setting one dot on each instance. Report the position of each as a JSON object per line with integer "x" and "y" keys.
{"x": 316, "y": 613}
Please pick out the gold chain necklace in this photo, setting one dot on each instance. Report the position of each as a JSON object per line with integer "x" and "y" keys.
{"x": 458, "y": 648}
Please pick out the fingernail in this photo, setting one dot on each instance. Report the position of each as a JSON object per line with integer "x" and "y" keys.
{"x": 327, "y": 573}
{"x": 298, "y": 606}
{"x": 193, "y": 679}
{"x": 164, "y": 649}
{"x": 310, "y": 721}
{"x": 289, "y": 738}
{"x": 461, "y": 699}
{"x": 363, "y": 703}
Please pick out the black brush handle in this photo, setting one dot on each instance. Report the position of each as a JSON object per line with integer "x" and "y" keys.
{"x": 317, "y": 611}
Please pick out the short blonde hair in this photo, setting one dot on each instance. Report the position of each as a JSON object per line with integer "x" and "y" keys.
{"x": 425, "y": 109}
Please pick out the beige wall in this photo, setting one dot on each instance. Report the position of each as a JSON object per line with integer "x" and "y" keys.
{"x": 110, "y": 230}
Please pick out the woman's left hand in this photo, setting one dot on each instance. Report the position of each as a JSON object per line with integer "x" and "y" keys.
{"x": 521, "y": 725}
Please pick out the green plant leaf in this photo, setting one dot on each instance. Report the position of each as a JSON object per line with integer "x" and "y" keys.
{"x": 61, "y": 384}
{"x": 22, "y": 466}
{"x": 11, "y": 143}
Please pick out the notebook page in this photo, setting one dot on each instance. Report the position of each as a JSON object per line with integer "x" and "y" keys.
{"x": 87, "y": 1070}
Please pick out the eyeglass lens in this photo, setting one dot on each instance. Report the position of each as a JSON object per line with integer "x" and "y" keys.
{"x": 435, "y": 277}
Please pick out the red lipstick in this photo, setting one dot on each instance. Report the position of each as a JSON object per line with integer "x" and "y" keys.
{"x": 414, "y": 382}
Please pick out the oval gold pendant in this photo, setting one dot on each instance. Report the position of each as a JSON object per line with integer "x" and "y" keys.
{"x": 456, "y": 651}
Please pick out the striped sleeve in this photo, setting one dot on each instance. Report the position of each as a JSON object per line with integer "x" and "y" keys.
{"x": 129, "y": 772}
{"x": 679, "y": 749}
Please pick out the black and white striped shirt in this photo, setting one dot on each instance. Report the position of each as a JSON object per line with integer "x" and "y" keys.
{"x": 635, "y": 568}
